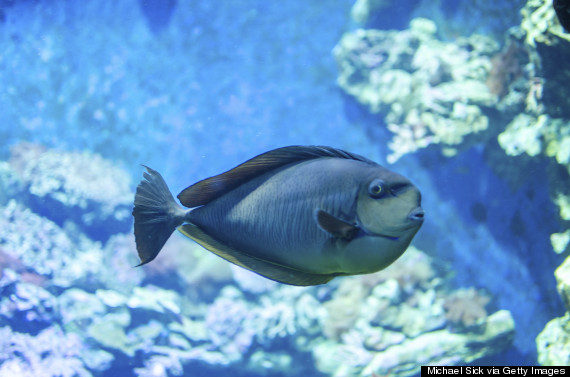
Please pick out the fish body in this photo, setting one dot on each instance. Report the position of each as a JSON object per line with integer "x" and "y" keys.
{"x": 298, "y": 215}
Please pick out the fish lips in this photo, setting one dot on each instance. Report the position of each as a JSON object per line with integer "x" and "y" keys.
{"x": 414, "y": 220}
{"x": 416, "y": 215}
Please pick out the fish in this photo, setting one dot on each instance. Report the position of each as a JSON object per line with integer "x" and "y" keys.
{"x": 298, "y": 215}
{"x": 562, "y": 9}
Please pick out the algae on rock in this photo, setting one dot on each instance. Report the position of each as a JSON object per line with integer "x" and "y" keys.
{"x": 429, "y": 91}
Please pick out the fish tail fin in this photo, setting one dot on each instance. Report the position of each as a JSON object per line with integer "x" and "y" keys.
{"x": 156, "y": 215}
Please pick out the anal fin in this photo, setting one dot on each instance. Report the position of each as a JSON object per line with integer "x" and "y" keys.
{"x": 268, "y": 269}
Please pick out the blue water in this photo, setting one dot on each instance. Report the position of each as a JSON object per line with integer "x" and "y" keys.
{"x": 193, "y": 89}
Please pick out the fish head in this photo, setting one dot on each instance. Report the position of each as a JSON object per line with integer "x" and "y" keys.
{"x": 389, "y": 205}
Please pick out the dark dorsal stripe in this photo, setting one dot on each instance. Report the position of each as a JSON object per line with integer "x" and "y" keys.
{"x": 205, "y": 191}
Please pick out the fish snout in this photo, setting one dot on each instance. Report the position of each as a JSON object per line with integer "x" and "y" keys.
{"x": 417, "y": 214}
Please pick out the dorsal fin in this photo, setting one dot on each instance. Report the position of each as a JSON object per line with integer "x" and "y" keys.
{"x": 211, "y": 188}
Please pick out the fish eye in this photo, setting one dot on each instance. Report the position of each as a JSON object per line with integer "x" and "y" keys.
{"x": 376, "y": 188}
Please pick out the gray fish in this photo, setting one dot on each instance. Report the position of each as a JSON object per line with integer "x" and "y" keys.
{"x": 297, "y": 215}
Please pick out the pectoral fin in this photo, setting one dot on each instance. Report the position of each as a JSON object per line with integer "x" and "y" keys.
{"x": 334, "y": 226}
{"x": 268, "y": 269}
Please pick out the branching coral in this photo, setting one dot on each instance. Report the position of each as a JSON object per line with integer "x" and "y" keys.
{"x": 443, "y": 348}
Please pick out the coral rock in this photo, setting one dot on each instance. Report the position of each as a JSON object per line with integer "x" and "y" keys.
{"x": 466, "y": 307}
{"x": 429, "y": 91}
{"x": 82, "y": 187}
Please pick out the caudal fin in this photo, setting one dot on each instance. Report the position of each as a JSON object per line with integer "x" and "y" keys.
{"x": 156, "y": 215}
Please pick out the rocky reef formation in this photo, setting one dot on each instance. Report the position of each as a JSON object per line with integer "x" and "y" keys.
{"x": 73, "y": 305}
{"x": 428, "y": 91}
{"x": 454, "y": 95}
{"x": 505, "y": 98}
{"x": 382, "y": 323}
{"x": 81, "y": 188}
{"x": 543, "y": 129}
{"x": 553, "y": 343}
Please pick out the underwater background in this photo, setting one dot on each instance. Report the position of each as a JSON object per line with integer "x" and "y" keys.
{"x": 469, "y": 99}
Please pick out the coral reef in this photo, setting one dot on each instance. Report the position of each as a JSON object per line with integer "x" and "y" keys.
{"x": 465, "y": 307}
{"x": 541, "y": 135}
{"x": 79, "y": 187}
{"x": 469, "y": 91}
{"x": 50, "y": 353}
{"x": 543, "y": 128}
{"x": 506, "y": 68}
{"x": 197, "y": 90}
{"x": 208, "y": 84}
{"x": 443, "y": 348}
{"x": 381, "y": 323}
{"x": 562, "y": 275}
{"x": 44, "y": 248}
{"x": 553, "y": 343}
{"x": 429, "y": 91}
{"x": 343, "y": 309}
{"x": 64, "y": 259}
{"x": 74, "y": 306}
{"x": 540, "y": 23}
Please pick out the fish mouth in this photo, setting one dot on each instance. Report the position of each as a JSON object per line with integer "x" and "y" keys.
{"x": 417, "y": 214}
{"x": 415, "y": 220}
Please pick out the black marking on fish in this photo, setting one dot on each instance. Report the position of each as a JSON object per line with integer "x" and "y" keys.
{"x": 334, "y": 226}
{"x": 205, "y": 191}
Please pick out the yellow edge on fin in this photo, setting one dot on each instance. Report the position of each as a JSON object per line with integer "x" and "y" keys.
{"x": 264, "y": 268}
